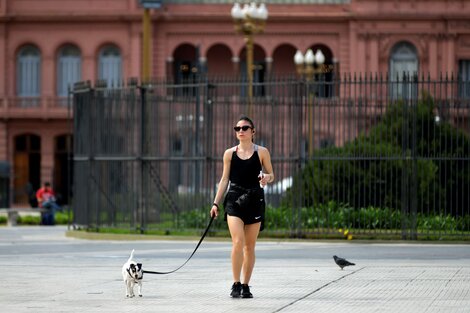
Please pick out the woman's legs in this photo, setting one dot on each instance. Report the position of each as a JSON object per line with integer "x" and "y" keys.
{"x": 243, "y": 247}
{"x": 236, "y": 228}
{"x": 251, "y": 234}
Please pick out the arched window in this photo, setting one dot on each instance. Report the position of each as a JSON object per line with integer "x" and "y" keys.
{"x": 186, "y": 58}
{"x": 69, "y": 69}
{"x": 464, "y": 79}
{"x": 110, "y": 65}
{"x": 403, "y": 68}
{"x": 28, "y": 72}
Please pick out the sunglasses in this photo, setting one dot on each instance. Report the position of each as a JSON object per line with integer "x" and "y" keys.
{"x": 244, "y": 128}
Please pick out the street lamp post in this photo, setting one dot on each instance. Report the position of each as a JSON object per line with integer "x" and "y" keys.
{"x": 249, "y": 20}
{"x": 307, "y": 66}
{"x": 146, "y": 37}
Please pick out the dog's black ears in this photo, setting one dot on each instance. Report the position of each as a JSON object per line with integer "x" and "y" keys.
{"x": 132, "y": 266}
{"x": 139, "y": 266}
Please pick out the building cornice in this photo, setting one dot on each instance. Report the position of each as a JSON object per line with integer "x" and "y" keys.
{"x": 282, "y": 16}
{"x": 409, "y": 16}
{"x": 117, "y": 17}
{"x": 311, "y": 18}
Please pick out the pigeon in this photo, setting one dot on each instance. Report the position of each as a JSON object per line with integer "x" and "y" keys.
{"x": 342, "y": 262}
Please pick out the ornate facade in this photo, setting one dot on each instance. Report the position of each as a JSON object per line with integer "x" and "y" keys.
{"x": 45, "y": 46}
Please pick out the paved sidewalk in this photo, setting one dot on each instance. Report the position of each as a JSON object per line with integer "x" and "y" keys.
{"x": 43, "y": 271}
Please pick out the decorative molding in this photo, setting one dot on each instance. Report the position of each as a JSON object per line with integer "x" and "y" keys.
{"x": 362, "y": 36}
{"x": 384, "y": 44}
{"x": 374, "y": 36}
{"x": 431, "y": 36}
{"x": 460, "y": 24}
{"x": 136, "y": 29}
{"x": 388, "y": 41}
{"x": 265, "y": 34}
{"x": 464, "y": 42}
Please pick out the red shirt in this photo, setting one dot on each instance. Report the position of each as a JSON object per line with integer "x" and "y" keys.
{"x": 45, "y": 194}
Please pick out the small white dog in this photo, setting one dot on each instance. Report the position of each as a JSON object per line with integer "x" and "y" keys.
{"x": 132, "y": 275}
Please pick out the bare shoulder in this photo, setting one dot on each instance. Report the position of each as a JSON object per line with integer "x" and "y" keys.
{"x": 263, "y": 153}
{"x": 230, "y": 150}
{"x": 263, "y": 150}
{"x": 228, "y": 153}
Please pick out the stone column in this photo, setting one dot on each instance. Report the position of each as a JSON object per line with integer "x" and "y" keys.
{"x": 47, "y": 157}
{"x": 135, "y": 57}
{"x": 433, "y": 69}
{"x": 169, "y": 68}
{"x": 47, "y": 85}
{"x": 236, "y": 65}
{"x": 3, "y": 55}
{"x": 132, "y": 5}
{"x": 3, "y": 141}
{"x": 89, "y": 68}
{"x": 353, "y": 47}
{"x": 3, "y": 6}
{"x": 373, "y": 54}
{"x": 360, "y": 56}
{"x": 47, "y": 74}
{"x": 269, "y": 66}
{"x": 450, "y": 64}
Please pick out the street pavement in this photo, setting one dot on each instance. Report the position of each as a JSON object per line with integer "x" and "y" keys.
{"x": 45, "y": 271}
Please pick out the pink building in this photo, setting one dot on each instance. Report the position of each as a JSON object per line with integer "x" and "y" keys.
{"x": 45, "y": 46}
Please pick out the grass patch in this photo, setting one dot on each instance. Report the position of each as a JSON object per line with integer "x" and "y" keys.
{"x": 61, "y": 218}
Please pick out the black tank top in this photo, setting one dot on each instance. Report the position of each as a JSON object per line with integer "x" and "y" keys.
{"x": 245, "y": 173}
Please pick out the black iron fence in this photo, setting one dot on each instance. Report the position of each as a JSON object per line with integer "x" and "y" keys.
{"x": 4, "y": 184}
{"x": 366, "y": 156}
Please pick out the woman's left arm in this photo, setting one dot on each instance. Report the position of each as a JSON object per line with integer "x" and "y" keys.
{"x": 265, "y": 157}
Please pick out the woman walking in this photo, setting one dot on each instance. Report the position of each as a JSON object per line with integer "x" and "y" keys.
{"x": 244, "y": 203}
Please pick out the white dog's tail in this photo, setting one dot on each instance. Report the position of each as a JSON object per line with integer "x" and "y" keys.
{"x": 132, "y": 256}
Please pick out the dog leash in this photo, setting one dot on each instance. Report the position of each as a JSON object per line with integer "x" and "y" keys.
{"x": 195, "y": 249}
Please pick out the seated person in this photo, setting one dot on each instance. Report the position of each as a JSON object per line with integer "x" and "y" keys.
{"x": 46, "y": 200}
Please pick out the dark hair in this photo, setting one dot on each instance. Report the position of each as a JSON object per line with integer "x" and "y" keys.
{"x": 246, "y": 118}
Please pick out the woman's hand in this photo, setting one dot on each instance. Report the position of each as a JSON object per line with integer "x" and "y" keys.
{"x": 214, "y": 211}
{"x": 265, "y": 179}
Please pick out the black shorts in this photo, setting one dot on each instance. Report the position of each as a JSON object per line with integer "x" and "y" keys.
{"x": 247, "y": 204}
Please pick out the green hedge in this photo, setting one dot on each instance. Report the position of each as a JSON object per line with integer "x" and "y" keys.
{"x": 334, "y": 216}
{"x": 61, "y": 218}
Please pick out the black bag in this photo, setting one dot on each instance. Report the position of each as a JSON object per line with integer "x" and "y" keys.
{"x": 244, "y": 199}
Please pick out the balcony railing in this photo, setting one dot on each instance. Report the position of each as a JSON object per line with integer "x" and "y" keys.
{"x": 35, "y": 107}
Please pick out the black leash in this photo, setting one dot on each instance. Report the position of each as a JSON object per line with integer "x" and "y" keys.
{"x": 199, "y": 243}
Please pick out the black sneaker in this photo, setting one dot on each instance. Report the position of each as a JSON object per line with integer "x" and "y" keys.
{"x": 236, "y": 290}
{"x": 246, "y": 291}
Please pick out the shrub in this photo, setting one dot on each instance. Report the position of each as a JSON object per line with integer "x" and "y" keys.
{"x": 406, "y": 151}
{"x": 29, "y": 220}
{"x": 62, "y": 218}
{"x": 335, "y": 216}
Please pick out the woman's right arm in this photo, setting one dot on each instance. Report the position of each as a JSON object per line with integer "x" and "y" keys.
{"x": 222, "y": 184}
